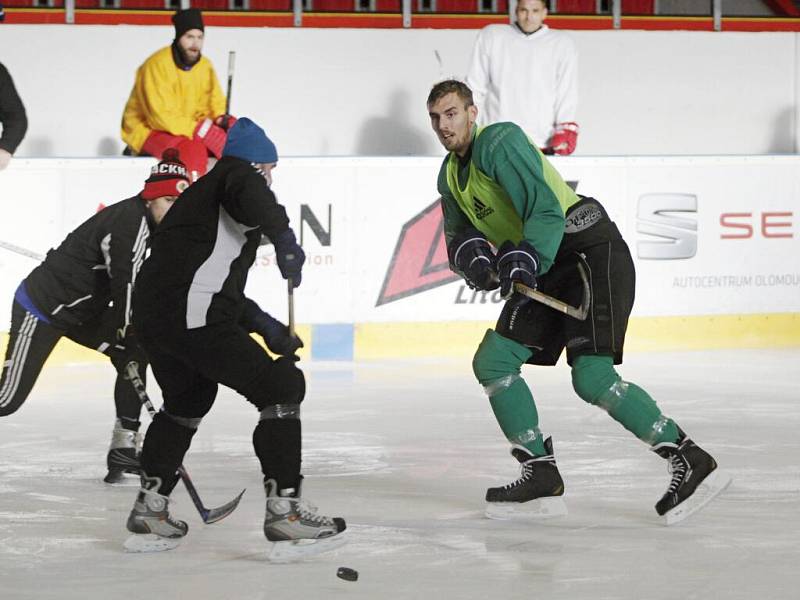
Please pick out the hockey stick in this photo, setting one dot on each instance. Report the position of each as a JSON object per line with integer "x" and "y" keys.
{"x": 21, "y": 250}
{"x": 231, "y": 64}
{"x": 579, "y": 312}
{"x": 290, "y": 297}
{"x": 209, "y": 515}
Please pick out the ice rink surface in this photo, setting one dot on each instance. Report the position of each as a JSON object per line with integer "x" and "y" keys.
{"x": 404, "y": 452}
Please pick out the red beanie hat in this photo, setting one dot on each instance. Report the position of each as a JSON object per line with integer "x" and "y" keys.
{"x": 167, "y": 178}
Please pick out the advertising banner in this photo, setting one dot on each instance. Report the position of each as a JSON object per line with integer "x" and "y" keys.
{"x": 709, "y": 235}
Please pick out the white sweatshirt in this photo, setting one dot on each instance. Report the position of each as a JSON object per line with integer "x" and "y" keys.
{"x": 531, "y": 80}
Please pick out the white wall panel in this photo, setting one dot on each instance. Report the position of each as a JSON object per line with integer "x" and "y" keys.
{"x": 329, "y": 92}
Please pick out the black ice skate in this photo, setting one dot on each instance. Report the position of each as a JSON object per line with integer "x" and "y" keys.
{"x": 537, "y": 494}
{"x": 152, "y": 526}
{"x": 695, "y": 479}
{"x": 294, "y": 526}
{"x": 123, "y": 454}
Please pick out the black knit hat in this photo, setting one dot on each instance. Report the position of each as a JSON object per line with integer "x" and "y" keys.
{"x": 185, "y": 20}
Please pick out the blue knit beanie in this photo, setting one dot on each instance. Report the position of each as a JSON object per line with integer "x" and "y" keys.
{"x": 248, "y": 141}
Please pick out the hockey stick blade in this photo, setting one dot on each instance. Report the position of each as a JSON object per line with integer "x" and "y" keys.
{"x": 209, "y": 515}
{"x": 217, "y": 514}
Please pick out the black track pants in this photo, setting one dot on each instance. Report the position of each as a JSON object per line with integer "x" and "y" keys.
{"x": 31, "y": 341}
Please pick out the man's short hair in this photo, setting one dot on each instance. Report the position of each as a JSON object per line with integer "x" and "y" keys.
{"x": 451, "y": 86}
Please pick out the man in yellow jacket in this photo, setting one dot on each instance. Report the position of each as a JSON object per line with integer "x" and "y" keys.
{"x": 176, "y": 101}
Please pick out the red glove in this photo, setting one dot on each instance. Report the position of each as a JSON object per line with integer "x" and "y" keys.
{"x": 225, "y": 121}
{"x": 564, "y": 139}
{"x": 212, "y": 136}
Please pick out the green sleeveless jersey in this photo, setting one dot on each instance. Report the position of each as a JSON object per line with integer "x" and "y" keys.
{"x": 507, "y": 189}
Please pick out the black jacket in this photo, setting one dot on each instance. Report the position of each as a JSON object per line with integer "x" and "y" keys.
{"x": 12, "y": 113}
{"x": 96, "y": 264}
{"x": 203, "y": 249}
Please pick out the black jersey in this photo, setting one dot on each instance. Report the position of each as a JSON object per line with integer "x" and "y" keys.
{"x": 94, "y": 266}
{"x": 12, "y": 113}
{"x": 203, "y": 249}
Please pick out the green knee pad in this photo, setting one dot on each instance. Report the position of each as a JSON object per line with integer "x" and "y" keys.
{"x": 496, "y": 365}
{"x": 498, "y": 357}
{"x": 596, "y": 382}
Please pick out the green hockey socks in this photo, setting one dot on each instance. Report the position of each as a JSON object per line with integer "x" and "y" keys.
{"x": 497, "y": 365}
{"x": 597, "y": 383}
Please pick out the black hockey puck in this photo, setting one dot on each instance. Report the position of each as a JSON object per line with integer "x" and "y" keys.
{"x": 347, "y": 574}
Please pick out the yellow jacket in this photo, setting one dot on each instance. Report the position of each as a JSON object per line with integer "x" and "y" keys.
{"x": 167, "y": 98}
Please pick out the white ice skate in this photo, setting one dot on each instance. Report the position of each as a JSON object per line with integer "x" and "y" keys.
{"x": 154, "y": 530}
{"x": 294, "y": 527}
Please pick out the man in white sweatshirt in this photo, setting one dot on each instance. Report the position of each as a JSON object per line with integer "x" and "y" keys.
{"x": 528, "y": 73}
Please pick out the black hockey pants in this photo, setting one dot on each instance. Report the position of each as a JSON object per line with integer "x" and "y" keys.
{"x": 30, "y": 343}
{"x": 189, "y": 365}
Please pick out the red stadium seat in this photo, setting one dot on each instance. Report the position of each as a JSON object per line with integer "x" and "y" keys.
{"x": 271, "y": 5}
{"x": 332, "y": 5}
{"x": 388, "y": 6}
{"x": 589, "y": 7}
{"x": 210, "y": 4}
{"x": 457, "y": 6}
{"x": 576, "y": 7}
{"x": 31, "y": 4}
{"x": 638, "y": 7}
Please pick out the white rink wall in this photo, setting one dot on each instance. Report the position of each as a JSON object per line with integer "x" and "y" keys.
{"x": 715, "y": 240}
{"x": 340, "y": 92}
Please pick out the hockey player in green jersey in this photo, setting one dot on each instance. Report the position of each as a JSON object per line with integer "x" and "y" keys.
{"x": 499, "y": 192}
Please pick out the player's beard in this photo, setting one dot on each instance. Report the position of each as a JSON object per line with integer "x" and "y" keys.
{"x": 454, "y": 143}
{"x": 188, "y": 60}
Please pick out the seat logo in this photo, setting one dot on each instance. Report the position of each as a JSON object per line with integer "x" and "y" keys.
{"x": 670, "y": 218}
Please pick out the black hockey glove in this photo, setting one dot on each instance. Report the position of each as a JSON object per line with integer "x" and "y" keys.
{"x": 277, "y": 338}
{"x": 290, "y": 256}
{"x": 276, "y": 334}
{"x": 125, "y": 350}
{"x": 471, "y": 254}
{"x": 516, "y": 262}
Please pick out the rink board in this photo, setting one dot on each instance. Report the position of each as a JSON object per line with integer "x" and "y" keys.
{"x": 715, "y": 241}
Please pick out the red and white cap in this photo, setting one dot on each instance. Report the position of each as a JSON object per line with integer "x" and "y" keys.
{"x": 168, "y": 178}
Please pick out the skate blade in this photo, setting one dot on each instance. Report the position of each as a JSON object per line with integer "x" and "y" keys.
{"x": 710, "y": 488}
{"x": 298, "y": 549}
{"x": 533, "y": 510}
{"x": 150, "y": 542}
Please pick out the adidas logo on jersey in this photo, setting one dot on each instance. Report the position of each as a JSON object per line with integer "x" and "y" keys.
{"x": 481, "y": 210}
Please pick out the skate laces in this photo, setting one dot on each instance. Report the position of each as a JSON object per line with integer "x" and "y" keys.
{"x": 308, "y": 512}
{"x": 161, "y": 502}
{"x": 677, "y": 468}
{"x": 526, "y": 471}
